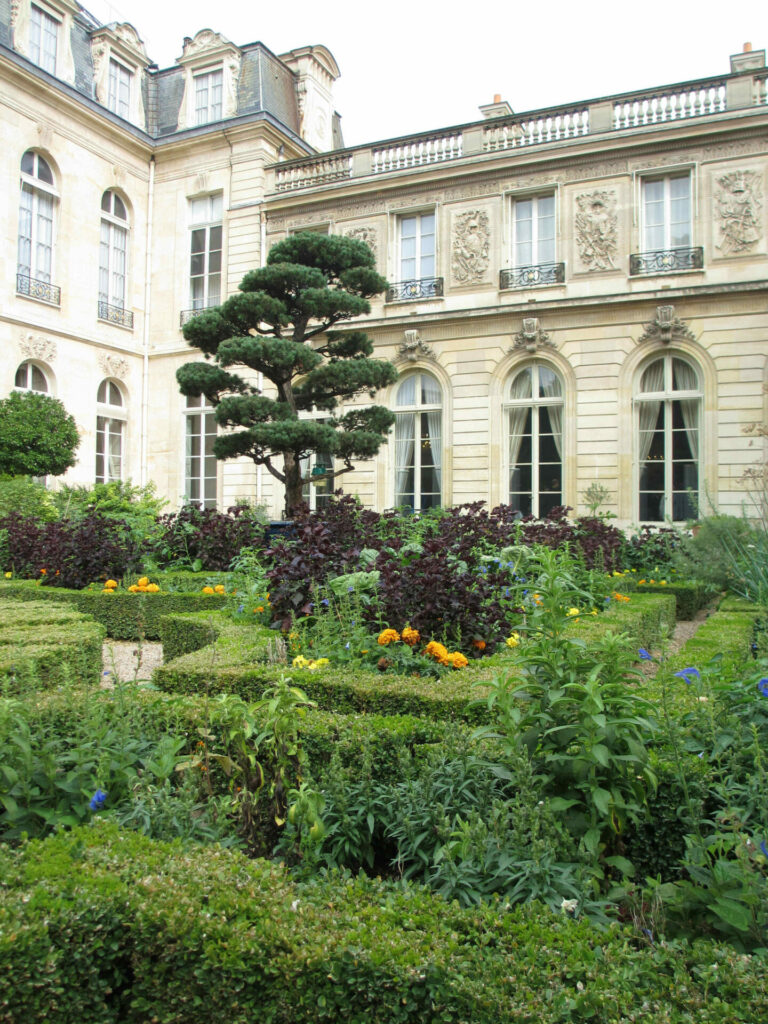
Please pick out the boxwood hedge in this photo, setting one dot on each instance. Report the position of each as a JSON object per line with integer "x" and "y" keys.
{"x": 98, "y": 926}
{"x": 42, "y": 644}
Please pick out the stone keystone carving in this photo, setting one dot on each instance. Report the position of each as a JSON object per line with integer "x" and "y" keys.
{"x": 531, "y": 337}
{"x": 33, "y": 346}
{"x": 113, "y": 366}
{"x": 597, "y": 229}
{"x": 413, "y": 348}
{"x": 666, "y": 327}
{"x": 738, "y": 202}
{"x": 471, "y": 245}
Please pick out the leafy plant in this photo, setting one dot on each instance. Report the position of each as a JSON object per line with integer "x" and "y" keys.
{"x": 38, "y": 437}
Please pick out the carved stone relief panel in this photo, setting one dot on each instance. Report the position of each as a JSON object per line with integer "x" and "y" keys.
{"x": 35, "y": 346}
{"x": 738, "y": 212}
{"x": 367, "y": 234}
{"x": 470, "y": 247}
{"x": 596, "y": 229}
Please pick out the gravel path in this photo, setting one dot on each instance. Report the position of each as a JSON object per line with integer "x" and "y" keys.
{"x": 129, "y": 662}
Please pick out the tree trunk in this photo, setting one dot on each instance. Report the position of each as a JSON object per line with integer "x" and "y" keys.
{"x": 293, "y": 482}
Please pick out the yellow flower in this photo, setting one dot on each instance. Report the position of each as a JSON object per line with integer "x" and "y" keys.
{"x": 144, "y": 581}
{"x": 410, "y": 636}
{"x": 662, "y": 583}
{"x": 8, "y": 575}
{"x": 110, "y": 583}
{"x": 388, "y": 636}
{"x": 652, "y": 581}
{"x": 152, "y": 588}
{"x": 259, "y": 610}
{"x": 208, "y": 590}
{"x": 300, "y": 661}
{"x": 593, "y": 612}
{"x": 108, "y": 591}
{"x": 513, "y": 641}
{"x": 220, "y": 588}
{"x": 143, "y": 590}
{"x": 437, "y": 651}
{"x": 133, "y": 588}
{"x": 322, "y": 662}
{"x": 640, "y": 583}
{"x": 572, "y": 612}
{"x": 458, "y": 660}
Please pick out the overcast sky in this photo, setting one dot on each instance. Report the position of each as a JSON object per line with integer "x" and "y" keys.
{"x": 411, "y": 65}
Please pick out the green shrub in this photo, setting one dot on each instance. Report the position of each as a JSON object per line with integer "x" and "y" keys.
{"x": 102, "y": 926}
{"x": 41, "y": 644}
{"x": 25, "y": 496}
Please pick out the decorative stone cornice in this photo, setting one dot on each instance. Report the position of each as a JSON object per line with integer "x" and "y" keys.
{"x": 208, "y": 46}
{"x": 666, "y": 327}
{"x": 413, "y": 348}
{"x": 531, "y": 337}
{"x": 124, "y": 43}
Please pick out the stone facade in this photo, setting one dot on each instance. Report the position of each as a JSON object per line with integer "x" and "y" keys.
{"x": 587, "y": 305}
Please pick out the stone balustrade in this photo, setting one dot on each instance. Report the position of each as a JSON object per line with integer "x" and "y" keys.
{"x": 620, "y": 113}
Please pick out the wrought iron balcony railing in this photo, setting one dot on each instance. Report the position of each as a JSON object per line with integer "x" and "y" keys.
{"x": 666, "y": 261}
{"x": 421, "y": 288}
{"x": 34, "y": 288}
{"x": 530, "y": 277}
{"x": 189, "y": 314}
{"x": 115, "y": 315}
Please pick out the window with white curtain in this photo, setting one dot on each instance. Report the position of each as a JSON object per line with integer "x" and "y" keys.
{"x": 209, "y": 88}
{"x": 417, "y": 246}
{"x": 200, "y": 473}
{"x": 43, "y": 39}
{"x": 119, "y": 88}
{"x": 533, "y": 231}
{"x": 205, "y": 216}
{"x": 418, "y": 442}
{"x": 36, "y": 212}
{"x": 534, "y": 428}
{"x": 113, "y": 251}
{"x": 110, "y": 432}
{"x": 30, "y": 377}
{"x": 666, "y": 213}
{"x": 668, "y": 429}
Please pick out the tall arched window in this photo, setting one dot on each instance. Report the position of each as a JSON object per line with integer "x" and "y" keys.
{"x": 418, "y": 442}
{"x": 36, "y": 213}
{"x": 200, "y": 484}
{"x": 110, "y": 431}
{"x": 113, "y": 254}
{"x": 534, "y": 421}
{"x": 30, "y": 377}
{"x": 668, "y": 425}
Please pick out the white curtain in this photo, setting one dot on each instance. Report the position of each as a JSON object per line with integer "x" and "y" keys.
{"x": 550, "y": 388}
{"x": 521, "y": 389}
{"x": 652, "y": 381}
{"x": 432, "y": 395}
{"x": 405, "y": 426}
{"x": 686, "y": 379}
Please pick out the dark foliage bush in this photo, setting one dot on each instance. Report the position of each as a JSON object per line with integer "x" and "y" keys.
{"x": 600, "y": 544}
{"x": 72, "y": 553}
{"x": 653, "y": 551}
{"x": 206, "y": 539}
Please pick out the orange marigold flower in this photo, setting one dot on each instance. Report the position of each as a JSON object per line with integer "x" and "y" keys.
{"x": 152, "y": 588}
{"x": 410, "y": 636}
{"x": 110, "y": 583}
{"x": 388, "y": 636}
{"x": 257, "y": 611}
{"x": 208, "y": 590}
{"x": 144, "y": 581}
{"x": 133, "y": 588}
{"x": 458, "y": 660}
{"x": 43, "y": 572}
{"x": 220, "y": 588}
{"x": 479, "y": 644}
{"x": 437, "y": 651}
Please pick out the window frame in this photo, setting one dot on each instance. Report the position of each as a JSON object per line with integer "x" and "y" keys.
{"x": 419, "y": 256}
{"x": 206, "y": 225}
{"x": 36, "y": 37}
{"x": 534, "y": 198}
{"x": 418, "y": 410}
{"x": 533, "y": 405}
{"x": 197, "y": 407}
{"x": 116, "y": 227}
{"x": 213, "y": 110}
{"x": 111, "y": 422}
{"x": 41, "y": 192}
{"x": 666, "y": 180}
{"x": 124, "y": 76}
{"x": 667, "y": 397}
{"x": 30, "y": 365}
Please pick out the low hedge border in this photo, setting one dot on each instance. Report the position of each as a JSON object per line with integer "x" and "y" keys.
{"x": 232, "y": 665}
{"x": 103, "y": 926}
{"x": 44, "y": 645}
{"x": 125, "y": 616}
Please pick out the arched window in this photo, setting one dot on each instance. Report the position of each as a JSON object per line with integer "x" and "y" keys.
{"x": 113, "y": 254}
{"x": 668, "y": 425}
{"x": 110, "y": 432}
{"x": 534, "y": 421}
{"x": 200, "y": 483}
{"x": 30, "y": 377}
{"x": 418, "y": 442}
{"x": 36, "y": 212}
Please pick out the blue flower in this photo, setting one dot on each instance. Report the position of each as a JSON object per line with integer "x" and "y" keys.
{"x": 346, "y": 646}
{"x": 763, "y": 687}
{"x": 240, "y": 608}
{"x": 687, "y": 674}
{"x": 645, "y": 655}
{"x": 350, "y": 590}
{"x": 607, "y": 600}
{"x": 98, "y": 800}
{"x": 324, "y": 602}
{"x": 525, "y": 593}
{"x": 764, "y": 848}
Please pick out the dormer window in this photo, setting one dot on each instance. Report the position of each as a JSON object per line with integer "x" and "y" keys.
{"x": 43, "y": 39}
{"x": 119, "y": 94}
{"x": 208, "y": 96}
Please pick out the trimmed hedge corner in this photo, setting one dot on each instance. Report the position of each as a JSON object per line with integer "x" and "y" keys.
{"x": 41, "y": 643}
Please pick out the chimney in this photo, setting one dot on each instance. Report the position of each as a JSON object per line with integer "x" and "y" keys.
{"x": 748, "y": 60}
{"x": 499, "y": 107}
